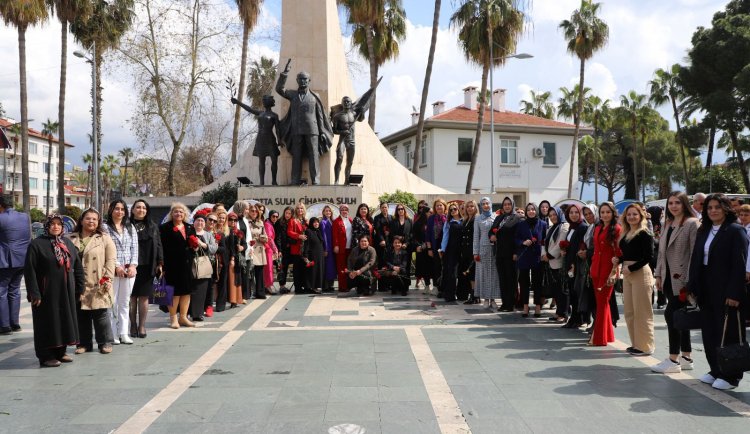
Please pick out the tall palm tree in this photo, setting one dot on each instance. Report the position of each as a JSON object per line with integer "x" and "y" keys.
{"x": 586, "y": 33}
{"x": 126, "y": 154}
{"x": 249, "y": 11}
{"x": 633, "y": 104}
{"x": 666, "y": 88}
{"x": 426, "y": 88}
{"x": 23, "y": 14}
{"x": 378, "y": 27}
{"x": 598, "y": 115}
{"x": 481, "y": 23}
{"x": 49, "y": 129}
{"x": 262, "y": 79}
{"x": 568, "y": 102}
{"x": 67, "y": 11}
{"x": 88, "y": 160}
{"x": 107, "y": 168}
{"x": 539, "y": 104}
{"x": 102, "y": 31}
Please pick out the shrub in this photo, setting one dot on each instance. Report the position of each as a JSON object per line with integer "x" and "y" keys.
{"x": 225, "y": 193}
{"x": 73, "y": 212}
{"x": 399, "y": 196}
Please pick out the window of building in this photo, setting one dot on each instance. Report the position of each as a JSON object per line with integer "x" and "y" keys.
{"x": 508, "y": 151}
{"x": 394, "y": 151}
{"x": 423, "y": 151}
{"x": 550, "y": 154}
{"x": 46, "y": 167}
{"x": 32, "y": 148}
{"x": 67, "y": 201}
{"x": 33, "y": 182}
{"x": 409, "y": 154}
{"x": 33, "y": 201}
{"x": 33, "y": 166}
{"x": 465, "y": 146}
{"x": 52, "y": 184}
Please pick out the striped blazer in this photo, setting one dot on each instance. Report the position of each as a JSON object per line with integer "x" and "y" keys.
{"x": 677, "y": 253}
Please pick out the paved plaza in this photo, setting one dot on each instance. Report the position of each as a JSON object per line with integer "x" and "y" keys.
{"x": 382, "y": 364}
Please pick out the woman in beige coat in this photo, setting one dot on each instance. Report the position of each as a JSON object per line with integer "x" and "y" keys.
{"x": 98, "y": 254}
{"x": 671, "y": 274}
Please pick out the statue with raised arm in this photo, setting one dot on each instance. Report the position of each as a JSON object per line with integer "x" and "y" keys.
{"x": 343, "y": 118}
{"x": 305, "y": 130}
{"x": 265, "y": 142}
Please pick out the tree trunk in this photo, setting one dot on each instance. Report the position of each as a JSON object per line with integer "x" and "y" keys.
{"x": 61, "y": 119}
{"x": 426, "y": 87}
{"x": 740, "y": 159}
{"x": 711, "y": 143}
{"x": 170, "y": 172}
{"x": 596, "y": 169}
{"x": 24, "y": 119}
{"x": 373, "y": 75}
{"x": 579, "y": 107}
{"x": 240, "y": 95}
{"x": 679, "y": 140}
{"x": 49, "y": 172}
{"x": 480, "y": 127}
{"x": 634, "y": 133}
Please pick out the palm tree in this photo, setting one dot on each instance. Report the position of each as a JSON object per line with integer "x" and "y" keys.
{"x": 126, "y": 154}
{"x": 666, "y": 88}
{"x": 262, "y": 79}
{"x": 67, "y": 11}
{"x": 568, "y": 102}
{"x": 249, "y": 11}
{"x": 23, "y": 14}
{"x": 88, "y": 160}
{"x": 49, "y": 129}
{"x": 378, "y": 27}
{"x": 586, "y": 33}
{"x": 539, "y": 104}
{"x": 101, "y": 32}
{"x": 480, "y": 23}
{"x": 598, "y": 115}
{"x": 108, "y": 167}
{"x": 633, "y": 104}
{"x": 426, "y": 88}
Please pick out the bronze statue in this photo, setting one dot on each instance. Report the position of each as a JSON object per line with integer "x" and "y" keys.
{"x": 265, "y": 141}
{"x": 305, "y": 131}
{"x": 343, "y": 118}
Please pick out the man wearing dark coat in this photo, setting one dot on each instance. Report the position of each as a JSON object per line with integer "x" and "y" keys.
{"x": 305, "y": 130}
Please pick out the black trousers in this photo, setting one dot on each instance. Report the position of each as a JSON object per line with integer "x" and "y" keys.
{"x": 45, "y": 354}
{"x": 260, "y": 288}
{"x": 395, "y": 284}
{"x": 362, "y": 284}
{"x": 198, "y": 298}
{"x": 286, "y": 260}
{"x": 247, "y": 280}
{"x": 679, "y": 340}
{"x": 562, "y": 292}
{"x": 531, "y": 280}
{"x": 713, "y": 326}
{"x": 465, "y": 277}
{"x": 299, "y": 273}
{"x": 450, "y": 264}
{"x": 437, "y": 272}
{"x": 506, "y": 270}
{"x": 101, "y": 327}
{"x": 221, "y": 289}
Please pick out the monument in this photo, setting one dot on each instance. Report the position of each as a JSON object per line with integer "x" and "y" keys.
{"x": 311, "y": 38}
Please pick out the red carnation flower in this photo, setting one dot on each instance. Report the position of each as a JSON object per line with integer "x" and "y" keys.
{"x": 218, "y": 237}
{"x": 310, "y": 264}
{"x": 193, "y": 241}
{"x": 252, "y": 243}
{"x": 494, "y": 230}
{"x": 376, "y": 274}
{"x": 238, "y": 233}
{"x": 683, "y": 295}
{"x": 564, "y": 244}
{"x": 204, "y": 212}
{"x": 582, "y": 246}
{"x": 533, "y": 239}
{"x": 103, "y": 280}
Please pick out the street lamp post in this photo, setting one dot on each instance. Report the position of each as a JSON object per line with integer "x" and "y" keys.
{"x": 96, "y": 200}
{"x": 492, "y": 108}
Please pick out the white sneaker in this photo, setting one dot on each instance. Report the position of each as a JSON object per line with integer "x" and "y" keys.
{"x": 116, "y": 341}
{"x": 125, "y": 339}
{"x": 686, "y": 365}
{"x": 722, "y": 385}
{"x": 707, "y": 378}
{"x": 667, "y": 366}
{"x": 427, "y": 289}
{"x": 420, "y": 285}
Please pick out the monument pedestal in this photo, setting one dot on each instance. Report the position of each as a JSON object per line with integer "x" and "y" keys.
{"x": 279, "y": 197}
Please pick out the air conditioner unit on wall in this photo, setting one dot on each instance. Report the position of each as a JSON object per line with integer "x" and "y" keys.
{"x": 538, "y": 152}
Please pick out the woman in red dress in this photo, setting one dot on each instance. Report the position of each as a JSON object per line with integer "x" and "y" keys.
{"x": 604, "y": 273}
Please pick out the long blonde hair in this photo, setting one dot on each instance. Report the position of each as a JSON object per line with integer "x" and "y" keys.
{"x": 184, "y": 208}
{"x": 465, "y": 213}
{"x": 629, "y": 232}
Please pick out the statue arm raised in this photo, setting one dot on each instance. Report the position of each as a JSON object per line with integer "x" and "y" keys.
{"x": 247, "y": 107}
{"x": 281, "y": 83}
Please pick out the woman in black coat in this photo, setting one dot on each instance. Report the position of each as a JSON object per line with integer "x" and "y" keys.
{"x": 717, "y": 280}
{"x": 150, "y": 260}
{"x": 54, "y": 280}
{"x": 313, "y": 250}
{"x": 395, "y": 272}
{"x": 178, "y": 257}
{"x": 466, "y": 264}
{"x": 574, "y": 266}
{"x": 503, "y": 234}
{"x": 401, "y": 225}
{"x": 422, "y": 264}
{"x": 282, "y": 243}
{"x": 450, "y": 251}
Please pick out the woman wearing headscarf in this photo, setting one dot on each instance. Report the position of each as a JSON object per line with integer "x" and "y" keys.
{"x": 54, "y": 279}
{"x": 554, "y": 255}
{"x": 450, "y": 250}
{"x": 503, "y": 235}
{"x": 466, "y": 264}
{"x": 422, "y": 264}
{"x": 487, "y": 282}
{"x": 326, "y": 228}
{"x": 433, "y": 239}
{"x": 314, "y": 256}
{"x": 586, "y": 301}
{"x": 206, "y": 245}
{"x": 573, "y": 264}
{"x": 529, "y": 241}
{"x": 150, "y": 260}
{"x": 604, "y": 247}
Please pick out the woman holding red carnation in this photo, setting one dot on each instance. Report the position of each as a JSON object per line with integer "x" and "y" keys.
{"x": 604, "y": 273}
{"x": 529, "y": 240}
{"x": 175, "y": 235}
{"x": 314, "y": 256}
{"x": 671, "y": 274}
{"x": 574, "y": 264}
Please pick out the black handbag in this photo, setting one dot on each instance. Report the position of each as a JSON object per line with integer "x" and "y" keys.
{"x": 687, "y": 318}
{"x": 733, "y": 358}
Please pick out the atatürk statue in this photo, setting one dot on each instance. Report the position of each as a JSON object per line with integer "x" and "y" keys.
{"x": 265, "y": 143}
{"x": 305, "y": 131}
{"x": 343, "y": 118}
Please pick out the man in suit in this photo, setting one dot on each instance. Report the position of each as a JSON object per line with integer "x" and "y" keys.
{"x": 698, "y": 199}
{"x": 15, "y": 236}
{"x": 305, "y": 130}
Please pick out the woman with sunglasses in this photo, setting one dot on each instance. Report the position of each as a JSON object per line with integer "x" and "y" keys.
{"x": 449, "y": 251}
{"x": 235, "y": 246}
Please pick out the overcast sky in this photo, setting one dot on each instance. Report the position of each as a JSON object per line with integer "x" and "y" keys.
{"x": 644, "y": 35}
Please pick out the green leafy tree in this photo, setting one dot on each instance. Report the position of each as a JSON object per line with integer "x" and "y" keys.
{"x": 539, "y": 104}
{"x": 568, "y": 100}
{"x": 632, "y": 104}
{"x": 717, "y": 179}
{"x": 23, "y": 14}
{"x": 107, "y": 170}
{"x": 479, "y": 24}
{"x": 666, "y": 88}
{"x": 378, "y": 28}
{"x": 586, "y": 34}
{"x": 126, "y": 154}
{"x": 403, "y": 197}
{"x": 262, "y": 80}
{"x": 426, "y": 88}
{"x": 225, "y": 193}
{"x": 73, "y": 212}
{"x": 49, "y": 129}
{"x": 598, "y": 115}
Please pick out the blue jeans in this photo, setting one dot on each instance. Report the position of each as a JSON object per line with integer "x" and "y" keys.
{"x": 10, "y": 296}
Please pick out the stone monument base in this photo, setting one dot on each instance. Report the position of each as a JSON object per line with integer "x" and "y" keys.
{"x": 280, "y": 196}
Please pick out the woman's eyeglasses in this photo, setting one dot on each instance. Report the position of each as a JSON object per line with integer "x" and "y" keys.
{"x": 232, "y": 220}
{"x": 213, "y": 220}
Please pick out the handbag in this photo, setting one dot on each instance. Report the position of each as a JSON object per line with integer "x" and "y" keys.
{"x": 162, "y": 293}
{"x": 687, "y": 318}
{"x": 733, "y": 358}
{"x": 202, "y": 268}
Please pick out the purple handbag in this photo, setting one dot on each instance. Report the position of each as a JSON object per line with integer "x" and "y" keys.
{"x": 162, "y": 293}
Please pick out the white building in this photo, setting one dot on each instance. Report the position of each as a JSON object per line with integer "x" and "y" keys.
{"x": 531, "y": 154}
{"x": 38, "y": 167}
